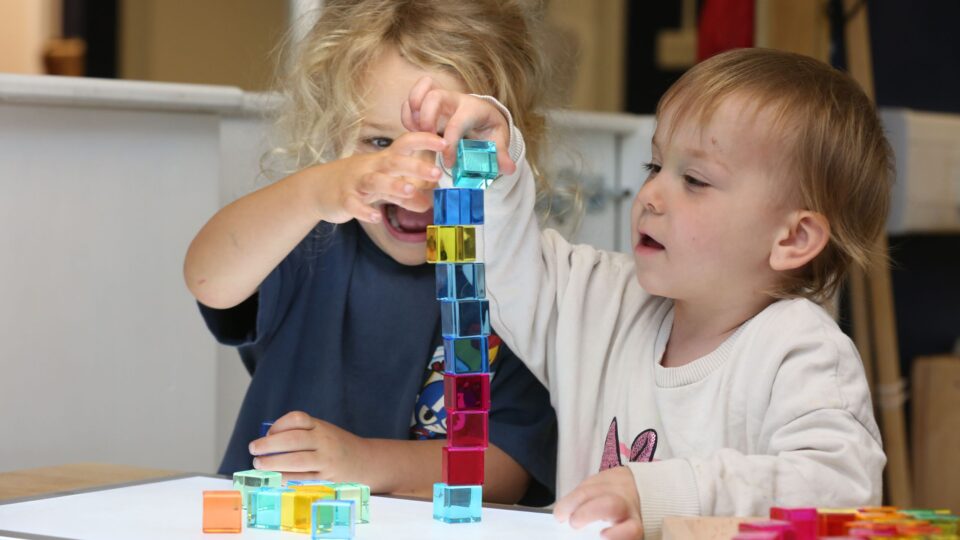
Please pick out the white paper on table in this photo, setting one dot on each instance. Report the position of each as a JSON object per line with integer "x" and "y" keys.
{"x": 173, "y": 510}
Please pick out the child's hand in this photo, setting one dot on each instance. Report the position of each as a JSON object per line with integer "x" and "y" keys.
{"x": 393, "y": 175}
{"x": 608, "y": 496}
{"x": 432, "y": 109}
{"x": 303, "y": 447}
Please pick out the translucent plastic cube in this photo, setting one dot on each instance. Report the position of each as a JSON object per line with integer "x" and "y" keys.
{"x": 456, "y": 504}
{"x": 222, "y": 511}
{"x": 247, "y": 481}
{"x": 264, "y": 508}
{"x": 463, "y": 466}
{"x": 466, "y": 392}
{"x": 333, "y": 519}
{"x": 467, "y": 429}
{"x": 464, "y": 318}
{"x": 457, "y": 206}
{"x": 463, "y": 281}
{"x": 297, "y": 518}
{"x": 360, "y": 494}
{"x": 476, "y": 165}
{"x": 466, "y": 355}
{"x": 451, "y": 244}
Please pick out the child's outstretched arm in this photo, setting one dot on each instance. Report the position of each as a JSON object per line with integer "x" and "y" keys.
{"x": 303, "y": 447}
{"x": 236, "y": 250}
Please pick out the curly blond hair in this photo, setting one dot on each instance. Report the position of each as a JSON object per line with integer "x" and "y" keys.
{"x": 490, "y": 45}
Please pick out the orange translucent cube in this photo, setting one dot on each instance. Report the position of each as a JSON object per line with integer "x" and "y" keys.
{"x": 222, "y": 511}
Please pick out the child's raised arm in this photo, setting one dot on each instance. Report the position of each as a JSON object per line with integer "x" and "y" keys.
{"x": 236, "y": 250}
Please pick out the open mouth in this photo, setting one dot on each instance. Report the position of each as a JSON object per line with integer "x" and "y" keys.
{"x": 649, "y": 243}
{"x": 405, "y": 225}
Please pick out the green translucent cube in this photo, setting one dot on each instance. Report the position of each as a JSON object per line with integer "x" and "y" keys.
{"x": 360, "y": 494}
{"x": 247, "y": 481}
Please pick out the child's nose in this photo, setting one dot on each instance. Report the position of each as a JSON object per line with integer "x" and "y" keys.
{"x": 650, "y": 197}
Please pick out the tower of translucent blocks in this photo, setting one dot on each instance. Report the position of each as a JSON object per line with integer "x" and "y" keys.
{"x": 453, "y": 245}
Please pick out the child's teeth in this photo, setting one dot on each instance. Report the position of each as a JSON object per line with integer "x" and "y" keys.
{"x": 392, "y": 216}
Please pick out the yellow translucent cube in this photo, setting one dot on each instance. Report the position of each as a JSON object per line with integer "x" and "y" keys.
{"x": 296, "y": 506}
{"x": 451, "y": 244}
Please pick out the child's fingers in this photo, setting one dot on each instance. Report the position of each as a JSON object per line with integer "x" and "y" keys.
{"x": 297, "y": 462}
{"x": 409, "y": 120}
{"x": 292, "y": 420}
{"x": 631, "y": 529}
{"x": 436, "y": 105}
{"x": 568, "y": 504}
{"x": 420, "y": 202}
{"x": 603, "y": 507}
{"x": 361, "y": 210}
{"x": 293, "y": 440}
{"x": 418, "y": 141}
{"x": 418, "y": 92}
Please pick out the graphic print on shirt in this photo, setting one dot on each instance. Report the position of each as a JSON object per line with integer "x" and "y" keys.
{"x": 641, "y": 451}
{"x": 429, "y": 416}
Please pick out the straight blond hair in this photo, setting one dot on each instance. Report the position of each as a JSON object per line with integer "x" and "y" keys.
{"x": 835, "y": 149}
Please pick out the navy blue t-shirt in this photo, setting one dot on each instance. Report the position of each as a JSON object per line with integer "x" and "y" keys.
{"x": 343, "y": 332}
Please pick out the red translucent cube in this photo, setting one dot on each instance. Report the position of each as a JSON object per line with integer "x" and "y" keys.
{"x": 804, "y": 520}
{"x": 463, "y": 466}
{"x": 466, "y": 392}
{"x": 467, "y": 429}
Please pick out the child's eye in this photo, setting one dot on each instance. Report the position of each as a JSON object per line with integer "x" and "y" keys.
{"x": 378, "y": 142}
{"x": 693, "y": 182}
{"x": 651, "y": 168}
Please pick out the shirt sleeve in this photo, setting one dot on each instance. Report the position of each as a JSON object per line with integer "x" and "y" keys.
{"x": 255, "y": 319}
{"x": 524, "y": 425}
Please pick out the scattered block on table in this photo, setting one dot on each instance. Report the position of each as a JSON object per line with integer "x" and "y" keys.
{"x": 222, "y": 511}
{"x": 451, "y": 244}
{"x": 464, "y": 318}
{"x": 298, "y": 517}
{"x": 466, "y": 355}
{"x": 334, "y": 519}
{"x": 456, "y": 504}
{"x": 476, "y": 165}
{"x": 457, "y": 206}
{"x": 461, "y": 281}
{"x": 832, "y": 521}
{"x": 804, "y": 520}
{"x": 295, "y": 483}
{"x": 247, "y": 481}
{"x": 466, "y": 392}
{"x": 265, "y": 507}
{"x": 358, "y": 493}
{"x": 462, "y": 466}
{"x": 468, "y": 429}
{"x": 783, "y": 529}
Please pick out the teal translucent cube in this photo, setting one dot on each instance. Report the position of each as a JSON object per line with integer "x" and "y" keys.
{"x": 263, "y": 512}
{"x": 456, "y": 504}
{"x": 461, "y": 281}
{"x": 457, "y": 206}
{"x": 333, "y": 519}
{"x": 358, "y": 493}
{"x": 464, "y": 318}
{"x": 476, "y": 165}
{"x": 247, "y": 481}
{"x": 466, "y": 355}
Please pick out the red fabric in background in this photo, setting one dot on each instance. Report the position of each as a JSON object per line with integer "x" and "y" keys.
{"x": 724, "y": 25}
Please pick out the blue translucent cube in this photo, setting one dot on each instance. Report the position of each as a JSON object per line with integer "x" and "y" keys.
{"x": 464, "y": 318}
{"x": 264, "y": 428}
{"x": 263, "y": 511}
{"x": 292, "y": 483}
{"x": 476, "y": 164}
{"x": 463, "y": 281}
{"x": 333, "y": 519}
{"x": 358, "y": 493}
{"x": 466, "y": 355}
{"x": 457, "y": 206}
{"x": 456, "y": 504}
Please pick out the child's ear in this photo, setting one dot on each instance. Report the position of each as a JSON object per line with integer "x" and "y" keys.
{"x": 803, "y": 237}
